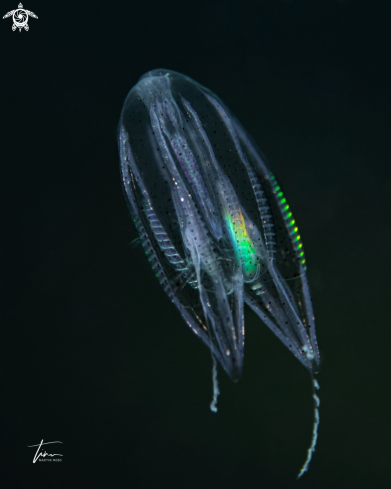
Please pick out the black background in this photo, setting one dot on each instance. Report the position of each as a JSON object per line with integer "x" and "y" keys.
{"x": 92, "y": 353}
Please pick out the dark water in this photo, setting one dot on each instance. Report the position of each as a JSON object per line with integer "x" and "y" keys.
{"x": 92, "y": 353}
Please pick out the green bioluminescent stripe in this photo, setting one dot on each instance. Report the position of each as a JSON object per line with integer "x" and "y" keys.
{"x": 244, "y": 245}
{"x": 290, "y": 222}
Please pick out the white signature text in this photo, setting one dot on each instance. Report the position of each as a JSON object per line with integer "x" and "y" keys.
{"x": 43, "y": 453}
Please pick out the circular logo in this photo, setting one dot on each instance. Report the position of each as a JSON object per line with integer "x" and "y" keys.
{"x": 20, "y": 18}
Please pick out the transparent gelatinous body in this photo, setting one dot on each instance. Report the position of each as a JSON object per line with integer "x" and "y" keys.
{"x": 214, "y": 222}
{"x": 213, "y": 219}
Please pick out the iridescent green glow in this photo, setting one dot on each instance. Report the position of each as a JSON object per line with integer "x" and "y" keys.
{"x": 244, "y": 245}
{"x": 287, "y": 215}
